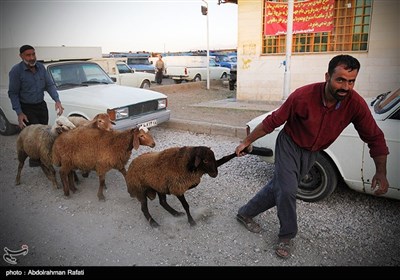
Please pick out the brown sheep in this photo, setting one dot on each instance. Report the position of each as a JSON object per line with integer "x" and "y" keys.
{"x": 36, "y": 141}
{"x": 94, "y": 149}
{"x": 101, "y": 121}
{"x": 171, "y": 171}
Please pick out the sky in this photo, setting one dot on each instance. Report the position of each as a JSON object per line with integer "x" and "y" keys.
{"x": 156, "y": 26}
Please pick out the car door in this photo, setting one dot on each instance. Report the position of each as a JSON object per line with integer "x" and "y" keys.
{"x": 390, "y": 125}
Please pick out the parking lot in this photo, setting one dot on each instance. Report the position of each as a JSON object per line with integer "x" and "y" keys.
{"x": 347, "y": 229}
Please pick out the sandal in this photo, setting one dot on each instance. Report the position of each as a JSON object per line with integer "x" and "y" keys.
{"x": 248, "y": 223}
{"x": 283, "y": 248}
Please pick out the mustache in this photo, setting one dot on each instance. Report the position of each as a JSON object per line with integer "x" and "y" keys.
{"x": 342, "y": 90}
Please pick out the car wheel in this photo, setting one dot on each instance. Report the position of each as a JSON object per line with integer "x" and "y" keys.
{"x": 320, "y": 182}
{"x": 5, "y": 127}
{"x": 197, "y": 78}
{"x": 178, "y": 81}
{"x": 224, "y": 76}
{"x": 145, "y": 84}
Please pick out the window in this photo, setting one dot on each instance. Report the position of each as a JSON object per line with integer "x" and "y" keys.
{"x": 350, "y": 33}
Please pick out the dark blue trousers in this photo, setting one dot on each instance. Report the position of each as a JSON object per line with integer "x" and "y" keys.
{"x": 291, "y": 164}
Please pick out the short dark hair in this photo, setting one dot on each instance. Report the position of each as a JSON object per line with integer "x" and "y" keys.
{"x": 349, "y": 62}
{"x": 25, "y": 48}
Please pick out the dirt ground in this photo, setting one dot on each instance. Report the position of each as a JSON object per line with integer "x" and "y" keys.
{"x": 183, "y": 97}
{"x": 347, "y": 229}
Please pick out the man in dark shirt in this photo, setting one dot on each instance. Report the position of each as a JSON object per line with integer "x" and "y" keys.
{"x": 314, "y": 116}
{"x": 28, "y": 81}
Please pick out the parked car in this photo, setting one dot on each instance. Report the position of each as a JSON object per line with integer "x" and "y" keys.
{"x": 348, "y": 157}
{"x": 86, "y": 90}
{"x": 122, "y": 74}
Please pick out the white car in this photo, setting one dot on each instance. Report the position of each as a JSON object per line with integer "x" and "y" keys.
{"x": 86, "y": 90}
{"x": 348, "y": 157}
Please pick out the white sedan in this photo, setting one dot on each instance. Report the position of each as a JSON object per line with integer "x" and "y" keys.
{"x": 348, "y": 157}
{"x": 86, "y": 90}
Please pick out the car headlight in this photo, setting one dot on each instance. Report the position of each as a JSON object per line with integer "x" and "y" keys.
{"x": 162, "y": 104}
{"x": 119, "y": 113}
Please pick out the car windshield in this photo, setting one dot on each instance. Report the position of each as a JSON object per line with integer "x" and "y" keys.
{"x": 138, "y": 60}
{"x": 78, "y": 74}
{"x": 386, "y": 101}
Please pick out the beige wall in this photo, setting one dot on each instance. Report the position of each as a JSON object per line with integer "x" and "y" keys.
{"x": 260, "y": 78}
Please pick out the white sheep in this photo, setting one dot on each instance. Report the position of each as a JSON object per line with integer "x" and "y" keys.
{"x": 36, "y": 141}
{"x": 87, "y": 149}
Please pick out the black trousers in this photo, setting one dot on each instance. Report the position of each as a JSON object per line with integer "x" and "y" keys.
{"x": 159, "y": 76}
{"x": 36, "y": 113}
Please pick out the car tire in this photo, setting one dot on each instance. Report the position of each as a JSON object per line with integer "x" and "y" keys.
{"x": 178, "y": 81}
{"x": 197, "y": 78}
{"x": 145, "y": 84}
{"x": 320, "y": 182}
{"x": 6, "y": 128}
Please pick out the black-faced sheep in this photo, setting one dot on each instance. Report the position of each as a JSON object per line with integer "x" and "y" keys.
{"x": 36, "y": 141}
{"x": 94, "y": 149}
{"x": 171, "y": 171}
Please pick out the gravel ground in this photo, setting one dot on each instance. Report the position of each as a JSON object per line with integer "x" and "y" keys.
{"x": 347, "y": 229}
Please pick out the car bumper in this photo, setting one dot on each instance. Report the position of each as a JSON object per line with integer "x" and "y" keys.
{"x": 159, "y": 117}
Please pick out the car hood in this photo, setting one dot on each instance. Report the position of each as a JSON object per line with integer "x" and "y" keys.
{"x": 108, "y": 96}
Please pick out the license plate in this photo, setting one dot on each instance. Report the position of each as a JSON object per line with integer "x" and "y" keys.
{"x": 149, "y": 123}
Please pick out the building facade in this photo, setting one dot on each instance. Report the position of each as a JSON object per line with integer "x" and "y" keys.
{"x": 366, "y": 29}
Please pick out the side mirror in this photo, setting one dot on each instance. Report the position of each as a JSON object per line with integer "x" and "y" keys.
{"x": 204, "y": 10}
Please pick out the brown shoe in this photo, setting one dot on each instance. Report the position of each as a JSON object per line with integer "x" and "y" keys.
{"x": 248, "y": 223}
{"x": 283, "y": 248}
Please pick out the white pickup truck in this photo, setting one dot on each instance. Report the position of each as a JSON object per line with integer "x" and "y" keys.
{"x": 193, "y": 69}
{"x": 122, "y": 74}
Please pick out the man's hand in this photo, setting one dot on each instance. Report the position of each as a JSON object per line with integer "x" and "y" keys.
{"x": 59, "y": 108}
{"x": 22, "y": 120}
{"x": 380, "y": 184}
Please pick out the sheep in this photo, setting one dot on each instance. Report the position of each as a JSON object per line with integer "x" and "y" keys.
{"x": 171, "y": 171}
{"x": 36, "y": 141}
{"x": 101, "y": 121}
{"x": 87, "y": 149}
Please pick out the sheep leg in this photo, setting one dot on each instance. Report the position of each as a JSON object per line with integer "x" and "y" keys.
{"x": 50, "y": 174}
{"x": 76, "y": 179}
{"x": 186, "y": 207}
{"x": 102, "y": 181}
{"x": 143, "y": 201}
{"x": 21, "y": 158}
{"x": 163, "y": 201}
{"x": 71, "y": 181}
{"x": 64, "y": 174}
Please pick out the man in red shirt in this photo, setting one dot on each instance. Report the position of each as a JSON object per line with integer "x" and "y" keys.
{"x": 314, "y": 116}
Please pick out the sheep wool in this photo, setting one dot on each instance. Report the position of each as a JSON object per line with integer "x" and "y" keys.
{"x": 36, "y": 141}
{"x": 88, "y": 149}
{"x": 171, "y": 171}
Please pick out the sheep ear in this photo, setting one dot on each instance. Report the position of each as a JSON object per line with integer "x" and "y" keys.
{"x": 136, "y": 142}
{"x": 197, "y": 161}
